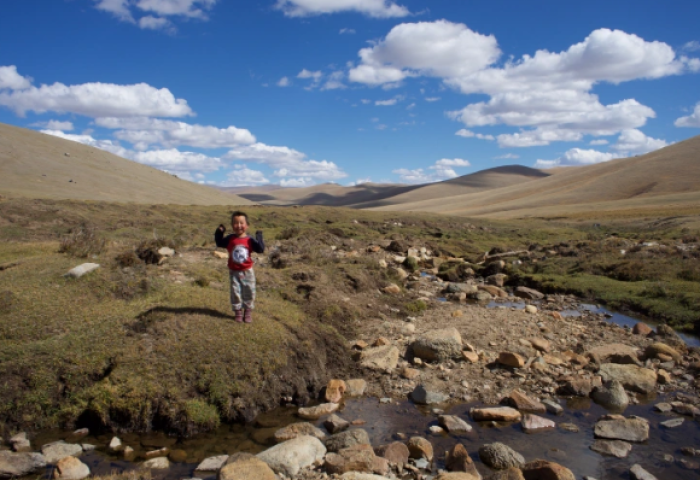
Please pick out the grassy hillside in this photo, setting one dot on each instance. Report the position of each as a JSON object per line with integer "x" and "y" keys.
{"x": 36, "y": 165}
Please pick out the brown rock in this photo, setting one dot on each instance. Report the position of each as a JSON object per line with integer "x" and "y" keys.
{"x": 297, "y": 429}
{"x": 419, "y": 447}
{"x": 471, "y": 357}
{"x": 512, "y": 473}
{"x": 356, "y": 387}
{"x": 574, "y": 358}
{"x": 161, "y": 452}
{"x": 246, "y": 467}
{"x": 396, "y": 453}
{"x": 177, "y": 456}
{"x": 528, "y": 293}
{"x": 498, "y": 414}
{"x": 70, "y": 468}
{"x": 314, "y": 413}
{"x": 555, "y": 316}
{"x": 533, "y": 423}
{"x": 357, "y": 458}
{"x": 578, "y": 386}
{"x": 617, "y": 427}
{"x": 658, "y": 348}
{"x": 392, "y": 289}
{"x": 335, "y": 424}
{"x": 642, "y": 329}
{"x": 335, "y": 391}
{"x": 544, "y": 470}
{"x": 522, "y": 402}
{"x": 410, "y": 373}
{"x": 540, "y": 344}
{"x": 381, "y": 341}
{"x": 495, "y": 291}
{"x": 458, "y": 460}
{"x": 510, "y": 359}
{"x": 614, "y": 353}
{"x": 457, "y": 476}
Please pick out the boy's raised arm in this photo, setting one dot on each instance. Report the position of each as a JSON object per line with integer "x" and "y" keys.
{"x": 258, "y": 242}
{"x": 219, "y": 237}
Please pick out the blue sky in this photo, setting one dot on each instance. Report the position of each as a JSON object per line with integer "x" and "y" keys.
{"x": 299, "y": 92}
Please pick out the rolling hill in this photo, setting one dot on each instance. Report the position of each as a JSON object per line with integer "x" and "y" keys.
{"x": 36, "y": 165}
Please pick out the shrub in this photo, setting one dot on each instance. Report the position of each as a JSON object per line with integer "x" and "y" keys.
{"x": 82, "y": 243}
{"x": 416, "y": 306}
{"x": 288, "y": 233}
{"x": 127, "y": 259}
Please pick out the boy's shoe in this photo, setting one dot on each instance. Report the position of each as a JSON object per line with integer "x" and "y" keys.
{"x": 248, "y": 316}
{"x": 239, "y": 316}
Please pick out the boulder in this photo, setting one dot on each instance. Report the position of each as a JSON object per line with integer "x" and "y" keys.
{"x": 246, "y": 467}
{"x": 423, "y": 396}
{"x": 211, "y": 464}
{"x": 158, "y": 463}
{"x": 335, "y": 424}
{"x": 632, "y": 377}
{"x": 454, "y": 424}
{"x": 482, "y": 296}
{"x": 498, "y": 414}
{"x": 511, "y": 473}
{"x": 577, "y": 386}
{"x": 528, "y": 293}
{"x": 392, "y": 289}
{"x": 614, "y": 353}
{"x": 553, "y": 407}
{"x": 455, "y": 287}
{"x": 335, "y": 391}
{"x": 544, "y": 470}
{"x": 533, "y": 423}
{"x": 458, "y": 460}
{"x": 530, "y": 309}
{"x": 339, "y": 441}
{"x": 613, "y": 448}
{"x": 396, "y": 453}
{"x": 81, "y": 270}
{"x": 457, "y": 476}
{"x": 511, "y": 359}
{"x": 55, "y": 451}
{"x": 500, "y": 456}
{"x": 14, "y": 464}
{"x": 291, "y": 456}
{"x": 358, "y": 458}
{"x": 638, "y": 473}
{"x": 642, "y": 329}
{"x": 655, "y": 349}
{"x": 522, "y": 402}
{"x": 20, "y": 442}
{"x": 439, "y": 345}
{"x": 361, "y": 476}
{"x": 612, "y": 396}
{"x": 419, "y": 447}
{"x": 617, "y": 427}
{"x": 493, "y": 291}
{"x": 70, "y": 468}
{"x": 497, "y": 279}
{"x": 297, "y": 429}
{"x": 540, "y": 344}
{"x": 385, "y": 357}
{"x": 314, "y": 413}
{"x": 356, "y": 387}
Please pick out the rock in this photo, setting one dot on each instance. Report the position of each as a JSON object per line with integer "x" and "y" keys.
{"x": 493, "y": 291}
{"x": 522, "y": 402}
{"x": 20, "y": 442}
{"x": 454, "y": 424}
{"x": 510, "y": 359}
{"x": 530, "y": 309}
{"x": 360, "y": 476}
{"x": 638, "y": 473}
{"x": 356, "y": 387}
{"x": 115, "y": 444}
{"x": 617, "y": 427}
{"x": 246, "y": 467}
{"x": 355, "y": 436}
{"x": 457, "y": 476}
{"x": 614, "y": 353}
{"x": 614, "y": 448}
{"x": 578, "y": 386}
{"x": 663, "y": 407}
{"x": 612, "y": 396}
{"x": 658, "y": 348}
{"x": 642, "y": 329}
{"x": 410, "y": 373}
{"x": 385, "y": 357}
{"x": 335, "y": 391}
{"x": 672, "y": 423}
{"x": 685, "y": 409}
{"x": 166, "y": 252}
{"x": 128, "y": 454}
{"x": 291, "y": 456}
{"x": 458, "y": 460}
{"x": 419, "y": 447}
{"x": 528, "y": 293}
{"x": 498, "y": 414}
{"x": 161, "y": 452}
{"x": 632, "y": 377}
{"x": 380, "y": 342}
{"x": 408, "y": 329}
{"x": 314, "y": 413}
{"x": 14, "y": 464}
{"x": 211, "y": 464}
{"x": 219, "y": 254}
{"x": 663, "y": 377}
{"x": 569, "y": 427}
{"x": 335, "y": 424}
{"x": 358, "y": 458}
{"x": 533, "y": 423}
{"x": 396, "y": 453}
{"x": 482, "y": 296}
{"x": 392, "y": 288}
{"x": 500, "y": 456}
{"x": 544, "y": 470}
{"x": 471, "y": 357}
{"x": 81, "y": 270}
{"x": 297, "y": 429}
{"x": 422, "y": 396}
{"x": 158, "y": 463}
{"x": 399, "y": 273}
{"x": 553, "y": 407}
{"x": 497, "y": 279}
{"x": 55, "y": 451}
{"x": 439, "y": 345}
{"x": 177, "y": 456}
{"x": 511, "y": 473}
{"x": 70, "y": 468}
{"x": 540, "y": 344}
{"x": 436, "y": 430}
{"x": 455, "y": 287}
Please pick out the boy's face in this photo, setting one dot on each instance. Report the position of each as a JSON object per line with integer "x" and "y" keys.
{"x": 239, "y": 225}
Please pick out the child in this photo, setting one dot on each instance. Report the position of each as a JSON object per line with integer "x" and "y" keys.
{"x": 240, "y": 264}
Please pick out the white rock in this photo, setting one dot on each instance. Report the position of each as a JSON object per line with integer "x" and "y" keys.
{"x": 115, "y": 444}
{"x": 291, "y": 456}
{"x": 166, "y": 251}
{"x": 212, "y": 464}
{"x": 70, "y": 468}
{"x": 158, "y": 463}
{"x": 81, "y": 270}
{"x": 53, "y": 452}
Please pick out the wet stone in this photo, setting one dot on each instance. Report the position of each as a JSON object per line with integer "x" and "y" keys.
{"x": 296, "y": 429}
{"x": 335, "y": 424}
{"x": 553, "y": 407}
{"x": 533, "y": 423}
{"x": 615, "y": 448}
{"x": 454, "y": 424}
{"x": 423, "y": 396}
{"x": 672, "y": 423}
{"x": 419, "y": 447}
{"x": 639, "y": 473}
{"x": 500, "y": 456}
{"x": 617, "y": 427}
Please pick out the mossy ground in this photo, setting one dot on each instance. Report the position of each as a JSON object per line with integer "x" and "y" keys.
{"x": 138, "y": 347}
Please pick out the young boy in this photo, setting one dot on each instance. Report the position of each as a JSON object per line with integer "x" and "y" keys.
{"x": 240, "y": 264}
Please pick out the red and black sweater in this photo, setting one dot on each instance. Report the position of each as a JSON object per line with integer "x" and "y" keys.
{"x": 240, "y": 248}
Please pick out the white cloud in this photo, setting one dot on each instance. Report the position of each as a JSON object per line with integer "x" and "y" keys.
{"x": 635, "y": 142}
{"x": 335, "y": 81}
{"x": 432, "y": 99}
{"x": 64, "y": 126}
{"x": 359, "y": 181}
{"x": 386, "y": 103}
{"x": 283, "y": 82}
{"x": 96, "y": 100}
{"x": 507, "y": 156}
{"x": 175, "y": 160}
{"x": 154, "y": 23}
{"x": 601, "y": 141}
{"x": 107, "y": 145}
{"x": 296, "y": 182}
{"x": 143, "y": 131}
{"x": 411, "y": 106}
{"x": 692, "y": 46}
{"x": 439, "y": 49}
{"x": 157, "y": 11}
{"x": 692, "y": 120}
{"x": 372, "y": 8}
{"x": 469, "y": 134}
{"x": 9, "y": 78}
{"x": 455, "y": 162}
{"x": 347, "y": 31}
{"x": 577, "y": 157}
{"x": 118, "y": 8}
{"x": 241, "y": 176}
{"x": 309, "y": 74}
{"x": 441, "y": 170}
{"x": 286, "y": 161}
{"x": 186, "y": 8}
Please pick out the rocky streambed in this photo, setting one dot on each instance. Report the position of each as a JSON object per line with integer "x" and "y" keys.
{"x": 488, "y": 392}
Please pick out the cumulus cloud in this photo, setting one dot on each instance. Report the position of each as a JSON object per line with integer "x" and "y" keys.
{"x": 372, "y": 8}
{"x": 441, "y": 170}
{"x": 174, "y": 160}
{"x": 577, "y": 157}
{"x": 143, "y": 132}
{"x": 601, "y": 141}
{"x": 635, "y": 142}
{"x": 389, "y": 102}
{"x": 296, "y": 182}
{"x": 155, "y": 12}
{"x": 118, "y": 8}
{"x": 96, "y": 100}
{"x": 347, "y": 31}
{"x": 469, "y": 134}
{"x": 455, "y": 162}
{"x": 438, "y": 49}
{"x": 283, "y": 82}
{"x": 241, "y": 176}
{"x": 10, "y": 79}
{"x": 64, "y": 126}
{"x": 692, "y": 120}
{"x": 286, "y": 162}
{"x": 155, "y": 23}
{"x": 334, "y": 81}
{"x": 107, "y": 145}
{"x": 692, "y": 46}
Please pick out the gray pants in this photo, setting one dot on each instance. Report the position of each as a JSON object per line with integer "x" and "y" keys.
{"x": 242, "y": 289}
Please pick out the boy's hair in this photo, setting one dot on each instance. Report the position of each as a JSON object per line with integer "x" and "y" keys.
{"x": 238, "y": 213}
